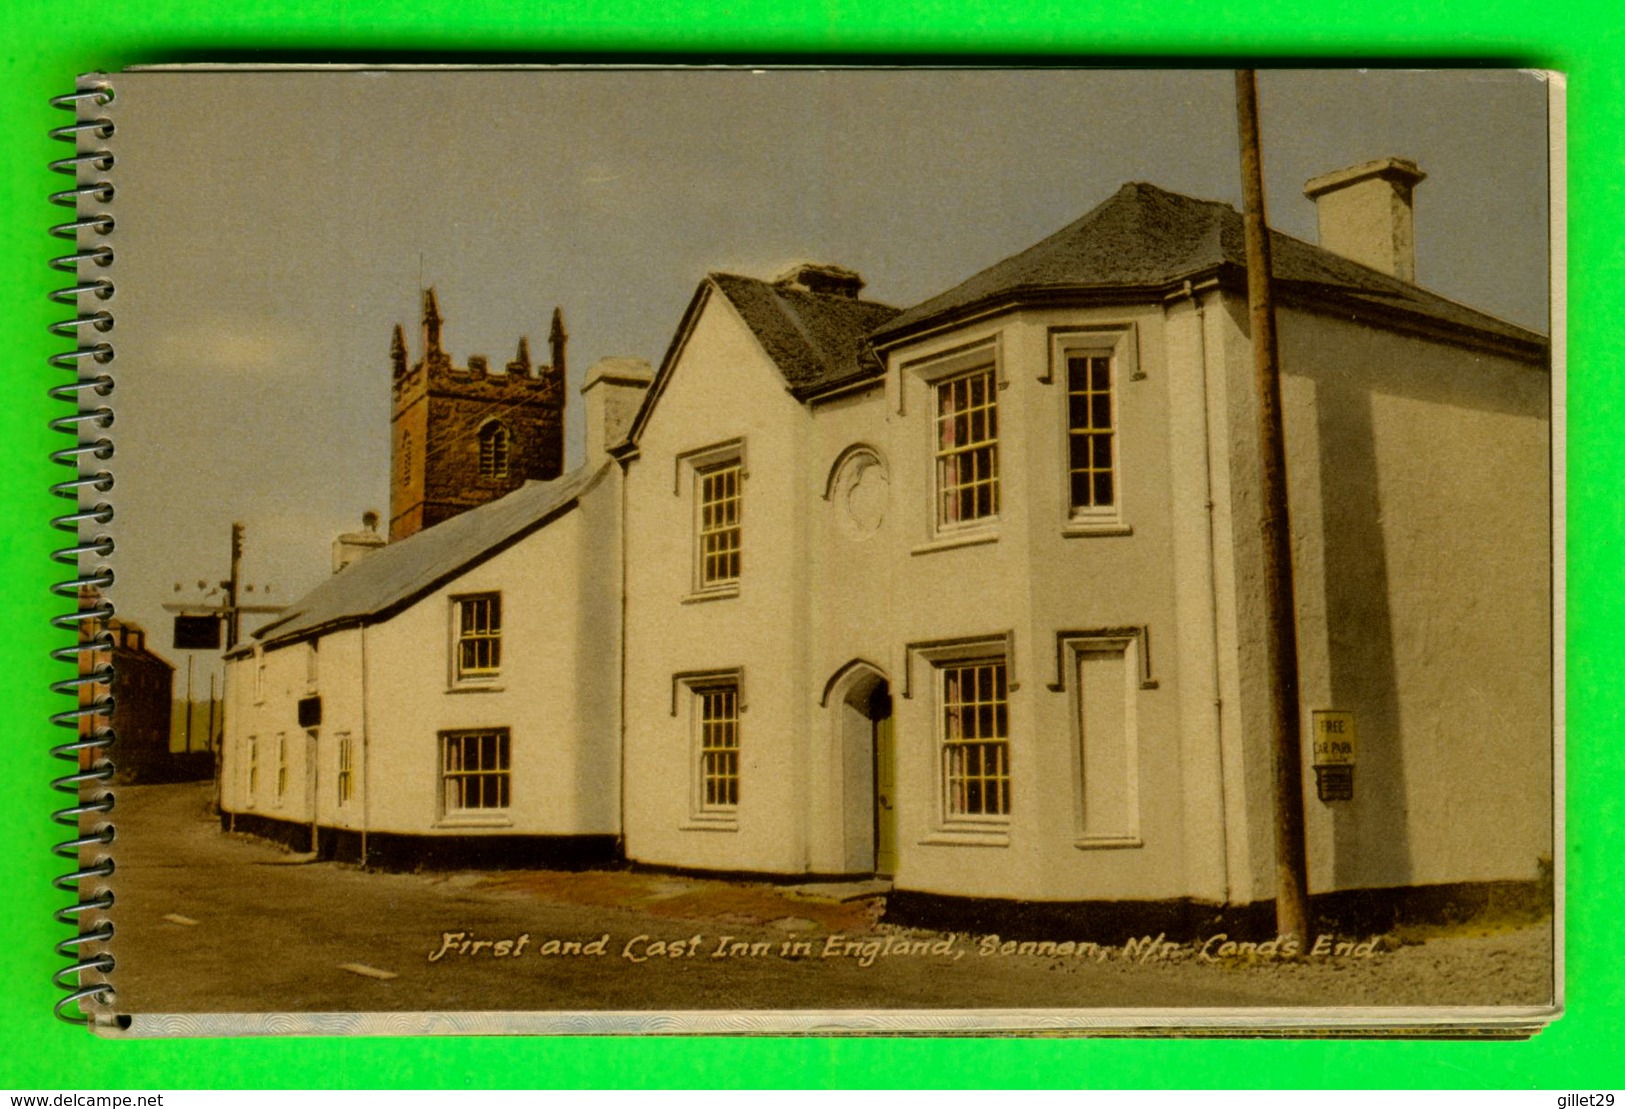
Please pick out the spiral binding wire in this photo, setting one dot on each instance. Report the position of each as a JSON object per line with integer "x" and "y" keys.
{"x": 85, "y": 979}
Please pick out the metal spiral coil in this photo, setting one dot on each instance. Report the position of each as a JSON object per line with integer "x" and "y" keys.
{"x": 84, "y": 979}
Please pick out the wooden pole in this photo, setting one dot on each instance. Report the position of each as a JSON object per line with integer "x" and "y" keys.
{"x": 232, "y": 584}
{"x": 1291, "y": 862}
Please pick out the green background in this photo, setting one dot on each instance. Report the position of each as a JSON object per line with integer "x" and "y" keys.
{"x": 44, "y": 45}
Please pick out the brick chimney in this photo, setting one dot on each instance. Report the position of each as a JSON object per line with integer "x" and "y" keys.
{"x": 1366, "y": 215}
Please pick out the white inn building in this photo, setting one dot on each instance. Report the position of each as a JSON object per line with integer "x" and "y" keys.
{"x": 969, "y": 595}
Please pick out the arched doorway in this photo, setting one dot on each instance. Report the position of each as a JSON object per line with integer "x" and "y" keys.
{"x": 867, "y": 758}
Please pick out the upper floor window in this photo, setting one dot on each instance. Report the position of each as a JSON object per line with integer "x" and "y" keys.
{"x": 719, "y": 524}
{"x": 967, "y": 448}
{"x": 477, "y": 652}
{"x": 1093, "y": 363}
{"x": 494, "y": 447}
{"x": 975, "y": 730}
{"x": 1091, "y": 433}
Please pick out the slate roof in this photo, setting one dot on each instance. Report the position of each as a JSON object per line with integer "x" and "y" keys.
{"x": 817, "y": 340}
{"x": 399, "y": 573}
{"x": 1149, "y": 240}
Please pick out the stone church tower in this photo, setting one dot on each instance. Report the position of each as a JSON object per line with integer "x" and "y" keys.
{"x": 461, "y": 435}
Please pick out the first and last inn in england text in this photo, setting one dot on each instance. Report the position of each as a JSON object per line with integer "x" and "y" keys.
{"x": 967, "y": 594}
{"x": 867, "y": 950}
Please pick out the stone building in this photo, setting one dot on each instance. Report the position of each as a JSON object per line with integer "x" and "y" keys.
{"x": 462, "y": 435}
{"x": 143, "y": 692}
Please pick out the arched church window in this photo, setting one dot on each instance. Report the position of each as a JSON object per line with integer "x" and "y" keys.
{"x": 494, "y": 450}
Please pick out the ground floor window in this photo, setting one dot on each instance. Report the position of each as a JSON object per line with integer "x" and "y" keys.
{"x": 975, "y": 731}
{"x": 346, "y": 777}
{"x": 253, "y": 761}
{"x": 719, "y": 746}
{"x": 281, "y": 766}
{"x": 474, "y": 770}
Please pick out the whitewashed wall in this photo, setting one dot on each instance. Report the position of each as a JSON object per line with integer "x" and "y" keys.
{"x": 723, "y": 388}
{"x": 1033, "y": 575}
{"x": 1421, "y": 508}
{"x": 556, "y": 694}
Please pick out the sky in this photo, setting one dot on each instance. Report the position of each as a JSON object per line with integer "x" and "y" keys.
{"x": 273, "y": 227}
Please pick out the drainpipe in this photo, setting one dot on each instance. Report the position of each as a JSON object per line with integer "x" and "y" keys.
{"x": 366, "y": 754}
{"x": 620, "y": 723}
{"x": 1217, "y": 713}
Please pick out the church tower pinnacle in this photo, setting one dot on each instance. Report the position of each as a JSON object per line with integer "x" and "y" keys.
{"x": 397, "y": 352}
{"x": 432, "y": 353}
{"x": 557, "y": 338}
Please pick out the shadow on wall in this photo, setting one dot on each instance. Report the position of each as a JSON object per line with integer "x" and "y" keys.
{"x": 1418, "y": 601}
{"x": 1370, "y": 834}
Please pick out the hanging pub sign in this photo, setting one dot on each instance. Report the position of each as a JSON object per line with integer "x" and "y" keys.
{"x": 1336, "y": 750}
{"x": 197, "y": 633}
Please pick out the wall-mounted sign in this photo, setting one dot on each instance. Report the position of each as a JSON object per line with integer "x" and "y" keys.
{"x": 310, "y": 712}
{"x": 1335, "y": 750}
{"x": 197, "y": 633}
{"x": 1334, "y": 738}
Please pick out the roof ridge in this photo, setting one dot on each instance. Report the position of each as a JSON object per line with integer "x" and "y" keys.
{"x": 1144, "y": 237}
{"x": 401, "y": 572}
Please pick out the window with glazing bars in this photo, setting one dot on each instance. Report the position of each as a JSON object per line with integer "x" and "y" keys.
{"x": 253, "y": 766}
{"x": 719, "y": 524}
{"x": 494, "y": 450}
{"x": 346, "y": 777}
{"x": 474, "y": 769}
{"x": 975, "y": 740}
{"x": 281, "y": 765}
{"x": 1090, "y": 432}
{"x": 479, "y": 635}
{"x": 719, "y": 746}
{"x": 967, "y": 448}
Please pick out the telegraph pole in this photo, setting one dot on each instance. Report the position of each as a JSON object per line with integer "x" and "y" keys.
{"x": 1291, "y": 860}
{"x": 233, "y": 613}
{"x": 228, "y": 613}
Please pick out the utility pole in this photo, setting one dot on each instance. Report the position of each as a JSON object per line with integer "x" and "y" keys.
{"x": 233, "y": 613}
{"x": 228, "y": 612}
{"x": 1291, "y": 860}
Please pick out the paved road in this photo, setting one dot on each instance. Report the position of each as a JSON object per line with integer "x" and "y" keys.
{"x": 208, "y": 922}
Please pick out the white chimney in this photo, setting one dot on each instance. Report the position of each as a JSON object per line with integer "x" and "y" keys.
{"x": 612, "y": 393}
{"x": 353, "y": 545}
{"x": 1365, "y": 214}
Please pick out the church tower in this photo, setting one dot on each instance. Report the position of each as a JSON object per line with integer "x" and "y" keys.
{"x": 461, "y": 436}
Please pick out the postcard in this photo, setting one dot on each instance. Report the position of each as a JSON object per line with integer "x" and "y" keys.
{"x": 676, "y": 550}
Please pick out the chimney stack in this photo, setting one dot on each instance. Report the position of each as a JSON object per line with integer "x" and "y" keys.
{"x": 613, "y": 393}
{"x": 1366, "y": 215}
{"x": 354, "y": 545}
{"x": 814, "y": 277}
